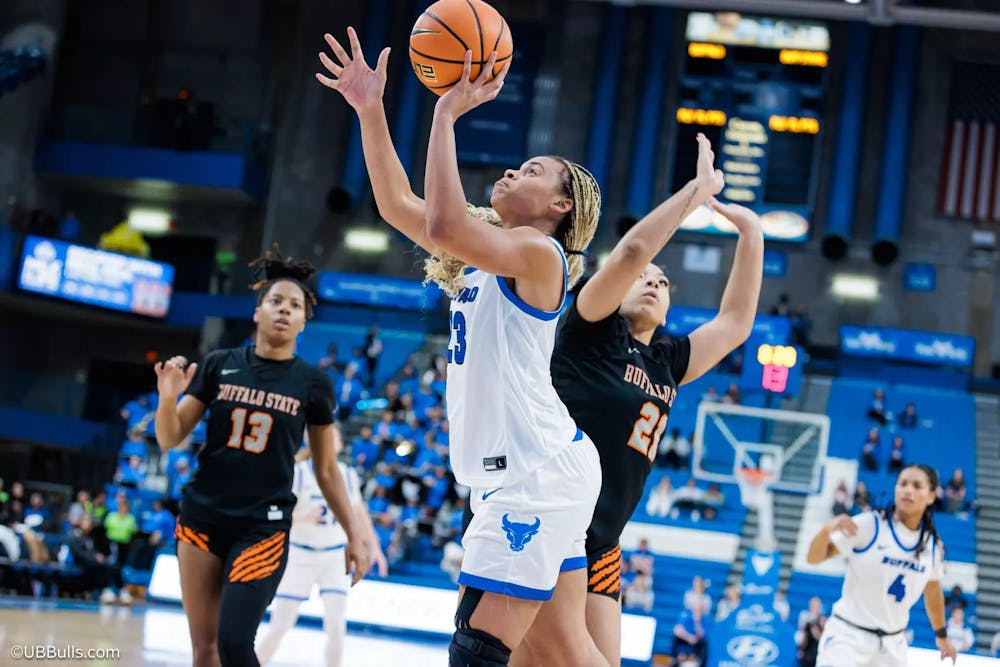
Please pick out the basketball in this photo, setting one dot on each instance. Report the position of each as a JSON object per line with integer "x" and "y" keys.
{"x": 449, "y": 28}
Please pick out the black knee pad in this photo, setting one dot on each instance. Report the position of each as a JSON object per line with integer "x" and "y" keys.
{"x": 475, "y": 648}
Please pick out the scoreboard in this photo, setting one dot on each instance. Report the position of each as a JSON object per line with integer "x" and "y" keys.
{"x": 755, "y": 87}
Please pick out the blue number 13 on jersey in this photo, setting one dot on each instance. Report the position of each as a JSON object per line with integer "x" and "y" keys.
{"x": 897, "y": 589}
{"x": 456, "y": 352}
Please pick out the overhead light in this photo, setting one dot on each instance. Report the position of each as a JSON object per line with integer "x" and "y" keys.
{"x": 855, "y": 287}
{"x": 149, "y": 220}
{"x": 366, "y": 240}
{"x": 853, "y": 2}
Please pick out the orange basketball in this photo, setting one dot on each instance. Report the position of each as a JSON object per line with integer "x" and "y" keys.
{"x": 449, "y": 28}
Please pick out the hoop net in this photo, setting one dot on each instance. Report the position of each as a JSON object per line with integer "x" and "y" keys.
{"x": 754, "y": 484}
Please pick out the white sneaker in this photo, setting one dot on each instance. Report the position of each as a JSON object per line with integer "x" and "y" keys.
{"x": 108, "y": 596}
{"x": 125, "y": 597}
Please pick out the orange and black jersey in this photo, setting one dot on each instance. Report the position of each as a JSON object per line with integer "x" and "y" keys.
{"x": 258, "y": 411}
{"x": 620, "y": 392}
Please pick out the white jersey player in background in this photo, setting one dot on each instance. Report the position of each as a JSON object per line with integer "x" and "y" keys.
{"x": 316, "y": 557}
{"x": 535, "y": 477}
{"x": 893, "y": 557}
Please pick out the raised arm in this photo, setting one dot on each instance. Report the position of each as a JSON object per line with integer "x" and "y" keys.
{"x": 523, "y": 253}
{"x": 603, "y": 293}
{"x": 175, "y": 421}
{"x": 822, "y": 547}
{"x": 726, "y": 331}
{"x": 362, "y": 88}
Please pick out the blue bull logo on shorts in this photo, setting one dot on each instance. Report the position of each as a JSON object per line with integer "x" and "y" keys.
{"x": 520, "y": 534}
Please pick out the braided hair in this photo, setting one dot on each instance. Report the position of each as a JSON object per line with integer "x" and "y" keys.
{"x": 574, "y": 232}
{"x": 927, "y": 528}
{"x": 271, "y": 268}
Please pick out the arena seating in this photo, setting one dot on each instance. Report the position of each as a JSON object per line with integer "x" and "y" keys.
{"x": 397, "y": 345}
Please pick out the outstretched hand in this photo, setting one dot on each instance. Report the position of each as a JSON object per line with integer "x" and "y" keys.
{"x": 360, "y": 85}
{"x": 744, "y": 219}
{"x": 707, "y": 174}
{"x": 466, "y": 95}
{"x": 172, "y": 378}
{"x": 947, "y": 649}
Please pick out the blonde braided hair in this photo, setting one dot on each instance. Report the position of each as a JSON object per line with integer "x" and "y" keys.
{"x": 575, "y": 231}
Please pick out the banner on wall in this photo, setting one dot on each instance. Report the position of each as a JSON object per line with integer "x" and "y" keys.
{"x": 754, "y": 635}
{"x": 926, "y": 347}
{"x": 95, "y": 277}
{"x": 920, "y": 277}
{"x": 682, "y": 320}
{"x": 382, "y": 291}
{"x": 497, "y": 133}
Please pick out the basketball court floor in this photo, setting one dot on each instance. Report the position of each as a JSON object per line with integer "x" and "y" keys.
{"x": 155, "y": 635}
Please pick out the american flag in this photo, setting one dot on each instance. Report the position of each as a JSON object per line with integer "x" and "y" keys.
{"x": 970, "y": 165}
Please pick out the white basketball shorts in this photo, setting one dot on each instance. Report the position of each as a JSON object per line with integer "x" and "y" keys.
{"x": 524, "y": 534}
{"x": 842, "y": 644}
{"x": 308, "y": 566}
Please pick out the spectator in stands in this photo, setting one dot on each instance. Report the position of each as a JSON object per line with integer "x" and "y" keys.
{"x": 862, "y": 502}
{"x": 869, "y": 451}
{"x": 959, "y": 634}
{"x": 954, "y": 493}
{"x": 348, "y": 390}
{"x": 364, "y": 451}
{"x": 661, "y": 498}
{"x": 409, "y": 382}
{"x": 729, "y": 602}
{"x": 331, "y": 362}
{"x": 120, "y": 527}
{"x": 675, "y": 450}
{"x": 135, "y": 411}
{"x": 732, "y": 395}
{"x": 641, "y": 560}
{"x": 908, "y": 417}
{"x": 639, "y": 596}
{"x": 956, "y": 599}
{"x": 98, "y": 573}
{"x": 711, "y": 396}
{"x": 182, "y": 475}
{"x": 811, "y": 624}
{"x": 38, "y": 516}
{"x": 131, "y": 473}
{"x": 841, "y": 499}
{"x": 135, "y": 445}
{"x": 379, "y": 501}
{"x": 697, "y": 600}
{"x": 896, "y": 455}
{"x": 388, "y": 533}
{"x": 715, "y": 500}
{"x": 156, "y": 529}
{"x": 4, "y": 496}
{"x": 425, "y": 399}
{"x": 451, "y": 561}
{"x": 627, "y": 575}
{"x": 373, "y": 351}
{"x": 385, "y": 430}
{"x": 394, "y": 400}
{"x": 100, "y": 507}
{"x": 10, "y": 546}
{"x": 689, "y": 497}
{"x": 436, "y": 488}
{"x": 359, "y": 361}
{"x": 82, "y": 505}
{"x": 876, "y": 410}
{"x": 689, "y": 639}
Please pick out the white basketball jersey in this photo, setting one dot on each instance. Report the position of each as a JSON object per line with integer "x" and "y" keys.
{"x": 327, "y": 533}
{"x": 506, "y": 418}
{"x": 883, "y": 579}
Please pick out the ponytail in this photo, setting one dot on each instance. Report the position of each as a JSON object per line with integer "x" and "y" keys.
{"x": 928, "y": 531}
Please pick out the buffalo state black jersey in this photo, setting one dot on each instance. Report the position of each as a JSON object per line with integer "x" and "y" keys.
{"x": 619, "y": 391}
{"x": 258, "y": 411}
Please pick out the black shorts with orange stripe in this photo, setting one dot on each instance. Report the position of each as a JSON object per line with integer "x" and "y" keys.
{"x": 604, "y": 571}
{"x": 251, "y": 551}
